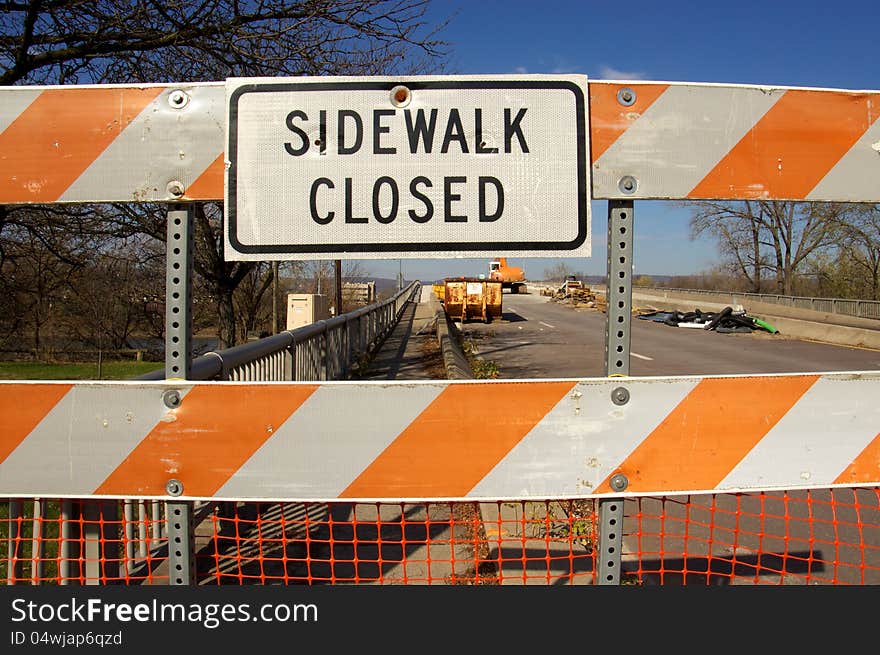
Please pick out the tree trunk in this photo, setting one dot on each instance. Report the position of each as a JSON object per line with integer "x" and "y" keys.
{"x": 875, "y": 284}
{"x": 756, "y": 254}
{"x": 225, "y": 318}
{"x": 37, "y": 344}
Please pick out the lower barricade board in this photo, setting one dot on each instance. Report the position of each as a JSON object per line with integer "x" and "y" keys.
{"x": 577, "y": 438}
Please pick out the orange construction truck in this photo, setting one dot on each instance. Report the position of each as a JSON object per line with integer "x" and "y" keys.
{"x": 511, "y": 277}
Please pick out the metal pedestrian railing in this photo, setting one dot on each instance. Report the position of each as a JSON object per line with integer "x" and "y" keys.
{"x": 846, "y": 306}
{"x": 325, "y": 350}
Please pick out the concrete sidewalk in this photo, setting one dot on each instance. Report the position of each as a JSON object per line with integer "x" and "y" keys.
{"x": 410, "y": 352}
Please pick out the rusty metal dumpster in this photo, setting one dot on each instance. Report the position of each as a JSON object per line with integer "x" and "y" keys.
{"x": 467, "y": 299}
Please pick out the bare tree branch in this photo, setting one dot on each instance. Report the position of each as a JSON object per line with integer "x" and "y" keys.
{"x": 119, "y": 41}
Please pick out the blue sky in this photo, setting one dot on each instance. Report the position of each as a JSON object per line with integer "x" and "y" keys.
{"x": 786, "y": 43}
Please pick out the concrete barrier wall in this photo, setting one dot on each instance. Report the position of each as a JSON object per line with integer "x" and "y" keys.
{"x": 457, "y": 365}
{"x": 448, "y": 338}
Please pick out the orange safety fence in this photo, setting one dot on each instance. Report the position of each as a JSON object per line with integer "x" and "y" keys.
{"x": 829, "y": 537}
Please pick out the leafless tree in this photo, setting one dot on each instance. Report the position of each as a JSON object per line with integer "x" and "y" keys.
{"x": 861, "y": 246}
{"x": 118, "y": 41}
{"x": 558, "y": 272}
{"x": 88, "y": 41}
{"x": 103, "y": 308}
{"x": 768, "y": 235}
{"x": 37, "y": 275}
{"x": 854, "y": 269}
{"x": 252, "y": 300}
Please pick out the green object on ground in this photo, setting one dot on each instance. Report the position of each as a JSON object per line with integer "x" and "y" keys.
{"x": 765, "y": 325}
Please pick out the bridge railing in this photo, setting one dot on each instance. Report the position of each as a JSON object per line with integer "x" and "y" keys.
{"x": 846, "y": 306}
{"x": 323, "y": 350}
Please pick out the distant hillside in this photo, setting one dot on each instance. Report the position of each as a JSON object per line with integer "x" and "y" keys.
{"x": 383, "y": 284}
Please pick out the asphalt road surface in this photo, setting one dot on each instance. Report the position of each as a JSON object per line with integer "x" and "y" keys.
{"x": 539, "y": 338}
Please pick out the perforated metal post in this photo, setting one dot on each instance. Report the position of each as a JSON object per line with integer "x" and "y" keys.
{"x": 618, "y": 295}
{"x": 178, "y": 360}
{"x": 618, "y": 319}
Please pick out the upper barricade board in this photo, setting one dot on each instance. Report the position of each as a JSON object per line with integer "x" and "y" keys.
{"x": 646, "y": 140}
{"x": 682, "y": 141}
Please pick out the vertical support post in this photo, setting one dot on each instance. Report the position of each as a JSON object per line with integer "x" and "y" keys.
{"x": 337, "y": 274}
{"x": 14, "y": 542}
{"x": 618, "y": 319}
{"x": 274, "y": 297}
{"x": 290, "y": 362}
{"x": 100, "y": 541}
{"x": 128, "y": 530}
{"x": 325, "y": 355}
{"x": 64, "y": 555}
{"x": 618, "y": 295}
{"x": 37, "y": 550}
{"x": 156, "y": 520}
{"x": 178, "y": 362}
{"x": 89, "y": 542}
{"x": 142, "y": 529}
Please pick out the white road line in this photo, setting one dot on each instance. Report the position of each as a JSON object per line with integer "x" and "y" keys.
{"x": 650, "y": 359}
{"x": 547, "y": 324}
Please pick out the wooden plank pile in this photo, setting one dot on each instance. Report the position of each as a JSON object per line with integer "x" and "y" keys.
{"x": 576, "y": 295}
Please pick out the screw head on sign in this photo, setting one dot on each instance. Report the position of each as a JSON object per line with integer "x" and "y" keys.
{"x": 175, "y": 188}
{"x": 171, "y": 398}
{"x": 400, "y": 96}
{"x": 626, "y": 97}
{"x": 618, "y": 482}
{"x": 628, "y": 184}
{"x": 174, "y": 487}
{"x": 620, "y": 396}
{"x": 178, "y": 99}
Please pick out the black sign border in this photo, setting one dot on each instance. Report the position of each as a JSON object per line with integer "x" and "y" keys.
{"x": 439, "y": 248}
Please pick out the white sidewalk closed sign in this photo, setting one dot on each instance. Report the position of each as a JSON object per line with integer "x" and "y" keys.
{"x": 380, "y": 167}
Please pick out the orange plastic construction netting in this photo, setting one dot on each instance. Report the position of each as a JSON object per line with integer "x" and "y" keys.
{"x": 786, "y": 537}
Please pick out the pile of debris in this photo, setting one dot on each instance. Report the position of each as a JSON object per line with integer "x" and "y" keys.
{"x": 727, "y": 321}
{"x": 575, "y": 294}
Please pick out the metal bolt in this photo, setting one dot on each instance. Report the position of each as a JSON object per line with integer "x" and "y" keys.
{"x": 174, "y": 487}
{"x": 175, "y": 188}
{"x": 171, "y": 398}
{"x": 618, "y": 482}
{"x": 626, "y": 97}
{"x": 620, "y": 396}
{"x": 628, "y": 184}
{"x": 400, "y": 96}
{"x": 178, "y": 99}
